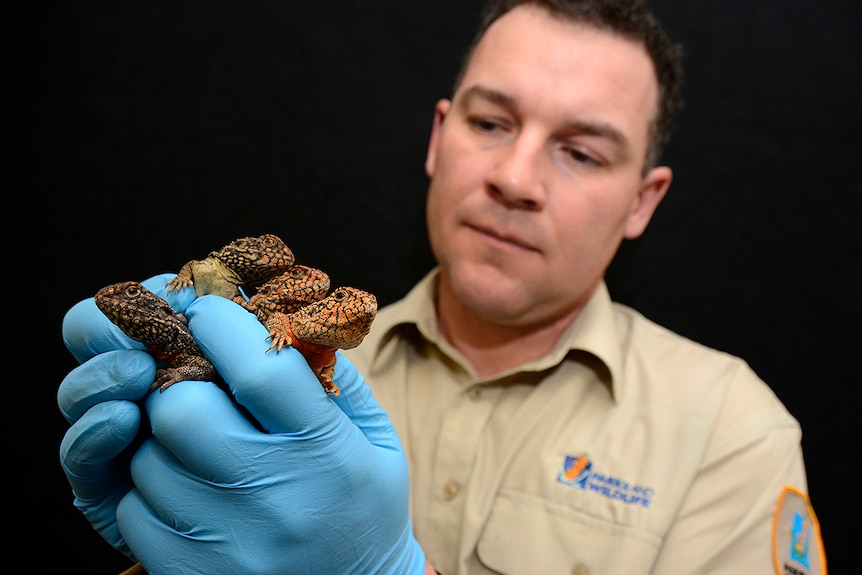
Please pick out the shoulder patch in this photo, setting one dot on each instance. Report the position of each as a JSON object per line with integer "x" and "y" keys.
{"x": 797, "y": 547}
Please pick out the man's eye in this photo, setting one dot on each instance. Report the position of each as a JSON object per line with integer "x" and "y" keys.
{"x": 582, "y": 157}
{"x": 485, "y": 125}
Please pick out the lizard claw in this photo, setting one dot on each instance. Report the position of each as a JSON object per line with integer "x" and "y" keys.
{"x": 278, "y": 342}
{"x": 177, "y": 284}
{"x": 163, "y": 381}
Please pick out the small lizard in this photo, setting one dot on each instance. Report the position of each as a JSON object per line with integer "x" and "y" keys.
{"x": 249, "y": 261}
{"x": 341, "y": 320}
{"x": 149, "y": 319}
{"x": 287, "y": 293}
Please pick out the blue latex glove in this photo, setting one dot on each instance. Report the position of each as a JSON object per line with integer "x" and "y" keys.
{"x": 98, "y": 398}
{"x": 316, "y": 485}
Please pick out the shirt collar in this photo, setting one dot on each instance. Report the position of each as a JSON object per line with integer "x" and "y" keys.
{"x": 593, "y": 332}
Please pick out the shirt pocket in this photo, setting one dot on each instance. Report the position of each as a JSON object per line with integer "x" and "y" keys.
{"x": 527, "y": 535}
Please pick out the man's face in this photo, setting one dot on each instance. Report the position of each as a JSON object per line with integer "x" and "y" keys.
{"x": 536, "y": 167}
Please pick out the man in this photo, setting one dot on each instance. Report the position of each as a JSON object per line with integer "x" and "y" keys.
{"x": 545, "y": 428}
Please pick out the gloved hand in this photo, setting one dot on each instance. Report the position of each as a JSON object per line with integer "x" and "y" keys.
{"x": 98, "y": 398}
{"x": 293, "y": 481}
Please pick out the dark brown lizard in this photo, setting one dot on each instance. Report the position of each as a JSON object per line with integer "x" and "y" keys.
{"x": 341, "y": 320}
{"x": 149, "y": 319}
{"x": 248, "y": 261}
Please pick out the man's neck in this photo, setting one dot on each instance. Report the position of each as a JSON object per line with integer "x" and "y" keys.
{"x": 492, "y": 348}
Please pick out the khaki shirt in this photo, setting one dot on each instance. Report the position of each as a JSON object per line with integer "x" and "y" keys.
{"x": 628, "y": 449}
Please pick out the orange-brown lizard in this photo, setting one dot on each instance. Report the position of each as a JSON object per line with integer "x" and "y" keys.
{"x": 287, "y": 293}
{"x": 341, "y": 320}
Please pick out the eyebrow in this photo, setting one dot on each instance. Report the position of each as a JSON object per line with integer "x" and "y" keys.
{"x": 493, "y": 96}
{"x": 599, "y": 129}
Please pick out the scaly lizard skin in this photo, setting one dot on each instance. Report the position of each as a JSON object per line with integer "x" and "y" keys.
{"x": 149, "y": 319}
{"x": 341, "y": 320}
{"x": 287, "y": 293}
{"x": 249, "y": 261}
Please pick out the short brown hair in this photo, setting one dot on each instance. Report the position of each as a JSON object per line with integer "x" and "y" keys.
{"x": 632, "y": 19}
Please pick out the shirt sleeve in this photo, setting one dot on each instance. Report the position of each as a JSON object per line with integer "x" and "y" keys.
{"x": 727, "y": 521}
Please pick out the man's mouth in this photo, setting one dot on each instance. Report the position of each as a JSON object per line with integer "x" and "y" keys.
{"x": 506, "y": 239}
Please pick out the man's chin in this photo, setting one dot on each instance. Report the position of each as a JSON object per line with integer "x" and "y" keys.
{"x": 488, "y": 290}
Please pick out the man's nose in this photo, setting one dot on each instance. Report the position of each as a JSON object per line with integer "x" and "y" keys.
{"x": 516, "y": 176}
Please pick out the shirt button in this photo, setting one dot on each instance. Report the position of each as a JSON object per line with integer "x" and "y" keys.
{"x": 450, "y": 490}
{"x": 474, "y": 393}
{"x": 580, "y": 569}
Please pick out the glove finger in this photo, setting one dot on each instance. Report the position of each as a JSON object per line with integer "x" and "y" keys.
{"x": 175, "y": 496}
{"x": 180, "y": 505}
{"x": 206, "y": 431}
{"x": 91, "y": 445}
{"x": 278, "y": 389}
{"x": 161, "y": 547}
{"x": 122, "y": 374}
{"x": 88, "y": 332}
{"x": 359, "y": 404}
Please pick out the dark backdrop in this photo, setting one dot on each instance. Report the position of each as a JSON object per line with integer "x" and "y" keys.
{"x": 143, "y": 134}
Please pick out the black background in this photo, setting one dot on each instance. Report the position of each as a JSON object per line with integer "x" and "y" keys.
{"x": 140, "y": 135}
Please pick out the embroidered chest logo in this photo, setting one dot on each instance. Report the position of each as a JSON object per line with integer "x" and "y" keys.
{"x": 577, "y": 471}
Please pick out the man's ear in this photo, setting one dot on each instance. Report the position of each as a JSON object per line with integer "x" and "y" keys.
{"x": 653, "y": 188}
{"x": 440, "y": 111}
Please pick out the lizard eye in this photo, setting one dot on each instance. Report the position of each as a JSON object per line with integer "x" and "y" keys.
{"x": 339, "y": 295}
{"x": 133, "y": 291}
{"x": 296, "y": 271}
